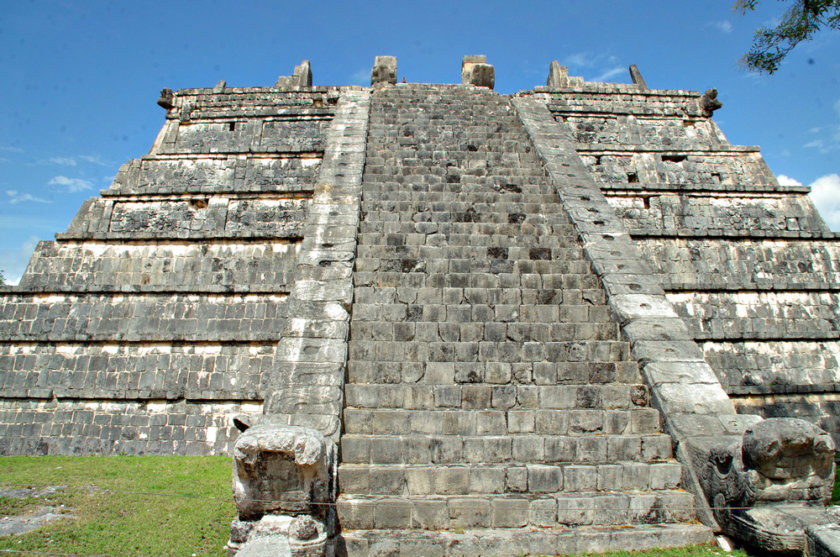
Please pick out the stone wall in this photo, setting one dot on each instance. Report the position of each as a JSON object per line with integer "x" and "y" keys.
{"x": 748, "y": 264}
{"x": 154, "y": 319}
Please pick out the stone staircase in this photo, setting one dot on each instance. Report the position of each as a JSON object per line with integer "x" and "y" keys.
{"x": 488, "y": 391}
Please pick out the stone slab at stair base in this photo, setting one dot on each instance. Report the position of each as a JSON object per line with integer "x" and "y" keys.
{"x": 823, "y": 541}
{"x": 484, "y": 542}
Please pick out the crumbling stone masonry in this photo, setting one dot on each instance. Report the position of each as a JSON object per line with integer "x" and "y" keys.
{"x": 446, "y": 321}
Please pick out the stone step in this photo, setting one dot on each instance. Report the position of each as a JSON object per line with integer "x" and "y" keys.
{"x": 481, "y": 273}
{"x": 484, "y": 351}
{"x": 522, "y": 246}
{"x": 565, "y": 295}
{"x": 424, "y": 540}
{"x": 457, "y": 259}
{"x": 437, "y": 274}
{"x": 479, "y": 211}
{"x": 460, "y": 512}
{"x": 516, "y": 373}
{"x": 566, "y": 313}
{"x": 622, "y": 440}
{"x": 430, "y": 331}
{"x": 563, "y": 232}
{"x": 416, "y": 479}
{"x": 473, "y": 256}
{"x": 500, "y": 422}
{"x": 454, "y": 177}
{"x": 420, "y": 213}
{"x": 469, "y": 392}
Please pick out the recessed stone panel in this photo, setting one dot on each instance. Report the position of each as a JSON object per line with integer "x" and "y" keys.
{"x": 133, "y": 371}
{"x": 190, "y": 267}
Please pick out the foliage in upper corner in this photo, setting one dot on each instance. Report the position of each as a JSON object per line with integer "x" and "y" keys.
{"x": 804, "y": 19}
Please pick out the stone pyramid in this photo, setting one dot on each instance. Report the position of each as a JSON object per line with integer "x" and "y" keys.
{"x": 518, "y": 324}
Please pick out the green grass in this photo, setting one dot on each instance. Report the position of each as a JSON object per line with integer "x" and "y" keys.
{"x": 124, "y": 505}
{"x": 835, "y": 494}
{"x": 688, "y": 551}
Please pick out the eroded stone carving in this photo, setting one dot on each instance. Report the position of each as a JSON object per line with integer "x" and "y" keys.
{"x": 384, "y": 71}
{"x": 167, "y": 99}
{"x": 769, "y": 485}
{"x": 284, "y": 490}
{"x": 558, "y": 76}
{"x": 709, "y": 102}
{"x": 302, "y": 77}
{"x": 637, "y": 78}
{"x": 476, "y": 71}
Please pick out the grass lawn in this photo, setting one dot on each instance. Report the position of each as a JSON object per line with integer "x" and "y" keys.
{"x": 126, "y": 505}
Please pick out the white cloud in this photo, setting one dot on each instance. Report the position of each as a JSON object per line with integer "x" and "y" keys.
{"x": 13, "y": 262}
{"x": 609, "y": 74}
{"x": 71, "y": 184}
{"x": 93, "y": 159}
{"x": 579, "y": 60}
{"x": 822, "y": 146}
{"x": 10, "y": 149}
{"x": 828, "y": 136}
{"x": 596, "y": 67}
{"x": 724, "y": 26}
{"x": 17, "y": 197}
{"x": 589, "y": 60}
{"x": 825, "y": 193}
{"x": 66, "y": 161}
{"x": 788, "y": 181}
{"x": 361, "y": 77}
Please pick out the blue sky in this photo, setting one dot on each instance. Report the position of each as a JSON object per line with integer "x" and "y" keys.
{"x": 81, "y": 78}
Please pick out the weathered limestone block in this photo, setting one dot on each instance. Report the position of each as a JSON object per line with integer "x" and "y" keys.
{"x": 769, "y": 485}
{"x": 284, "y": 490}
{"x": 476, "y": 71}
{"x": 619, "y": 130}
{"x": 716, "y": 170}
{"x": 279, "y": 536}
{"x": 127, "y": 371}
{"x": 99, "y": 426}
{"x": 282, "y": 469}
{"x": 774, "y": 366}
{"x": 141, "y": 317}
{"x": 759, "y": 315}
{"x": 743, "y": 264}
{"x": 244, "y": 266}
{"x": 709, "y": 102}
{"x": 823, "y": 540}
{"x": 301, "y": 78}
{"x": 719, "y": 215}
{"x": 281, "y": 172}
{"x": 167, "y": 99}
{"x": 637, "y": 78}
{"x": 384, "y": 71}
{"x": 558, "y": 76}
